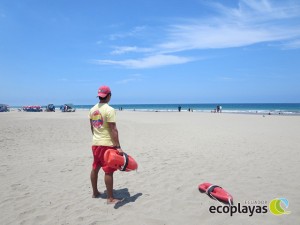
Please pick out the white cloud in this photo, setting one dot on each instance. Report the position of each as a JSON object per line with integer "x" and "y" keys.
{"x": 225, "y": 78}
{"x": 294, "y": 44}
{"x": 147, "y": 62}
{"x": 250, "y": 22}
{"x": 125, "y": 49}
{"x": 259, "y": 6}
{"x": 134, "y": 32}
{"x": 132, "y": 78}
{"x": 191, "y": 37}
{"x": 254, "y": 11}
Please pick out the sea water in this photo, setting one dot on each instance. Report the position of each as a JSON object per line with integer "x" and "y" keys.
{"x": 248, "y": 108}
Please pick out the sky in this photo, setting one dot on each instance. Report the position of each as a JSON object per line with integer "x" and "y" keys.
{"x": 149, "y": 51}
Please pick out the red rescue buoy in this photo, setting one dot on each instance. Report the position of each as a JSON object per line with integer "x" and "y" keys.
{"x": 216, "y": 192}
{"x": 121, "y": 162}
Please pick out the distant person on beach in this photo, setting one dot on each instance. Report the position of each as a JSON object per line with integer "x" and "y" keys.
{"x": 105, "y": 136}
{"x": 179, "y": 108}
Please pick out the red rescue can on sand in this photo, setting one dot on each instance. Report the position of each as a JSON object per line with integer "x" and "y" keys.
{"x": 216, "y": 192}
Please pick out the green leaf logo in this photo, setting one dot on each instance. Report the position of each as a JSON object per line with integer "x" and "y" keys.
{"x": 276, "y": 206}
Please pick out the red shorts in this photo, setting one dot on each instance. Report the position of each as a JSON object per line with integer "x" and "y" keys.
{"x": 98, "y": 153}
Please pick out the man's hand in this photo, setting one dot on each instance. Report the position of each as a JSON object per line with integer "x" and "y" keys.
{"x": 120, "y": 150}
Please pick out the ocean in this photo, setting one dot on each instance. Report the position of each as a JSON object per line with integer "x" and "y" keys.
{"x": 247, "y": 108}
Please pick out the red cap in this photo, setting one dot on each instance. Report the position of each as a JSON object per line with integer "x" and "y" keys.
{"x": 103, "y": 91}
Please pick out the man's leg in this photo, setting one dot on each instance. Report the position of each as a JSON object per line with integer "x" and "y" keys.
{"x": 109, "y": 182}
{"x": 94, "y": 180}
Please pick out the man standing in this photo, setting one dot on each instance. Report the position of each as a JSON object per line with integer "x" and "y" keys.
{"x": 105, "y": 136}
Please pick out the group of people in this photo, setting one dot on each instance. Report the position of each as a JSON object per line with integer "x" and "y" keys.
{"x": 218, "y": 109}
{"x": 189, "y": 109}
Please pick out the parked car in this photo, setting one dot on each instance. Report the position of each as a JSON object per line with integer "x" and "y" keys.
{"x": 50, "y": 108}
{"x": 67, "y": 108}
{"x": 33, "y": 108}
{"x": 4, "y": 108}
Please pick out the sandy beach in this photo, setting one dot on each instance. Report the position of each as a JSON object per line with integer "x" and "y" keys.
{"x": 45, "y": 163}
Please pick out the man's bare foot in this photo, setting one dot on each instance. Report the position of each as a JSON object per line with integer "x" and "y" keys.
{"x": 96, "y": 195}
{"x": 113, "y": 200}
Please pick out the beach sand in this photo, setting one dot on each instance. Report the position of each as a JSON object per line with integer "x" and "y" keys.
{"x": 45, "y": 163}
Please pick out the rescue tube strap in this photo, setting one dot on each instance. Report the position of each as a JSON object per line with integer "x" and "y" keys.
{"x": 123, "y": 168}
{"x": 210, "y": 189}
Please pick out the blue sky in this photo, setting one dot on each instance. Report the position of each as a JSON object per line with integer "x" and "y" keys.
{"x": 149, "y": 51}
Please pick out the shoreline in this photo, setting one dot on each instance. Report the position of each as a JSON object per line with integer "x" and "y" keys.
{"x": 228, "y": 108}
{"x": 264, "y": 113}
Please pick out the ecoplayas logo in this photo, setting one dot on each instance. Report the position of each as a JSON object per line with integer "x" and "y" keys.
{"x": 250, "y": 208}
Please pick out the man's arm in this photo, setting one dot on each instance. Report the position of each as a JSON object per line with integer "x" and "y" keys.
{"x": 92, "y": 128}
{"x": 115, "y": 136}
